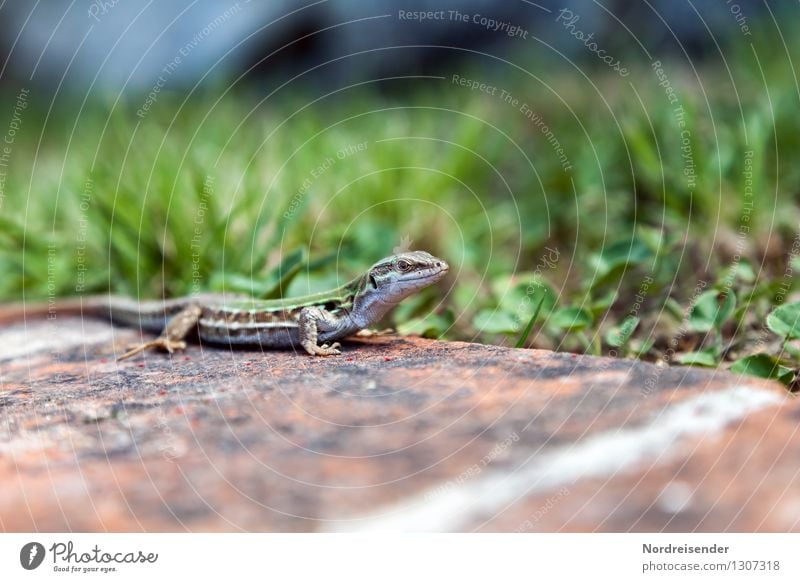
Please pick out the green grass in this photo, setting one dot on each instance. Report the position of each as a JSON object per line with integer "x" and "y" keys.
{"x": 238, "y": 193}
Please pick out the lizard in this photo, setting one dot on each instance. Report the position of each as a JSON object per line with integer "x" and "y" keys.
{"x": 311, "y": 322}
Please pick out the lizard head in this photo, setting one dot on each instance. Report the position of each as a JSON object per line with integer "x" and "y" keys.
{"x": 394, "y": 278}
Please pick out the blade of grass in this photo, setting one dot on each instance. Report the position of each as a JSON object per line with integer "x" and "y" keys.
{"x": 525, "y": 332}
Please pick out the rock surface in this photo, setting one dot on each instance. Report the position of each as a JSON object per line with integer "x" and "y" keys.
{"x": 395, "y": 434}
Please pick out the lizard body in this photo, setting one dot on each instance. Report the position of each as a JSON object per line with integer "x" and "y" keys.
{"x": 303, "y": 322}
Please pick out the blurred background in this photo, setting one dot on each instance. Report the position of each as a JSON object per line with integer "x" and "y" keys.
{"x": 590, "y": 169}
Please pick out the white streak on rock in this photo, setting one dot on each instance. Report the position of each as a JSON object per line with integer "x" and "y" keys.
{"x": 21, "y": 340}
{"x": 597, "y": 456}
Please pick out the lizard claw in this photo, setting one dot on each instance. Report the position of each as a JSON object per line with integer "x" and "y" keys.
{"x": 329, "y": 350}
{"x": 162, "y": 342}
{"x": 323, "y": 350}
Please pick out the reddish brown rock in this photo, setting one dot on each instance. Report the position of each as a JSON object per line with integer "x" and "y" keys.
{"x": 394, "y": 434}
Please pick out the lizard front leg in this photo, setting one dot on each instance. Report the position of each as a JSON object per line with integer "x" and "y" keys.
{"x": 174, "y": 334}
{"x": 313, "y": 320}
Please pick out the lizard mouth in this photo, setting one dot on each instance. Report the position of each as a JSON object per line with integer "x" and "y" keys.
{"x": 433, "y": 274}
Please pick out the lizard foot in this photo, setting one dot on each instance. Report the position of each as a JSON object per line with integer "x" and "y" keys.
{"x": 161, "y": 342}
{"x": 323, "y": 350}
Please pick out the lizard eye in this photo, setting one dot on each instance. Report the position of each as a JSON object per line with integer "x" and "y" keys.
{"x": 403, "y": 265}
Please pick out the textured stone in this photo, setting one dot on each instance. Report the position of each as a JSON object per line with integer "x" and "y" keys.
{"x": 394, "y": 434}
